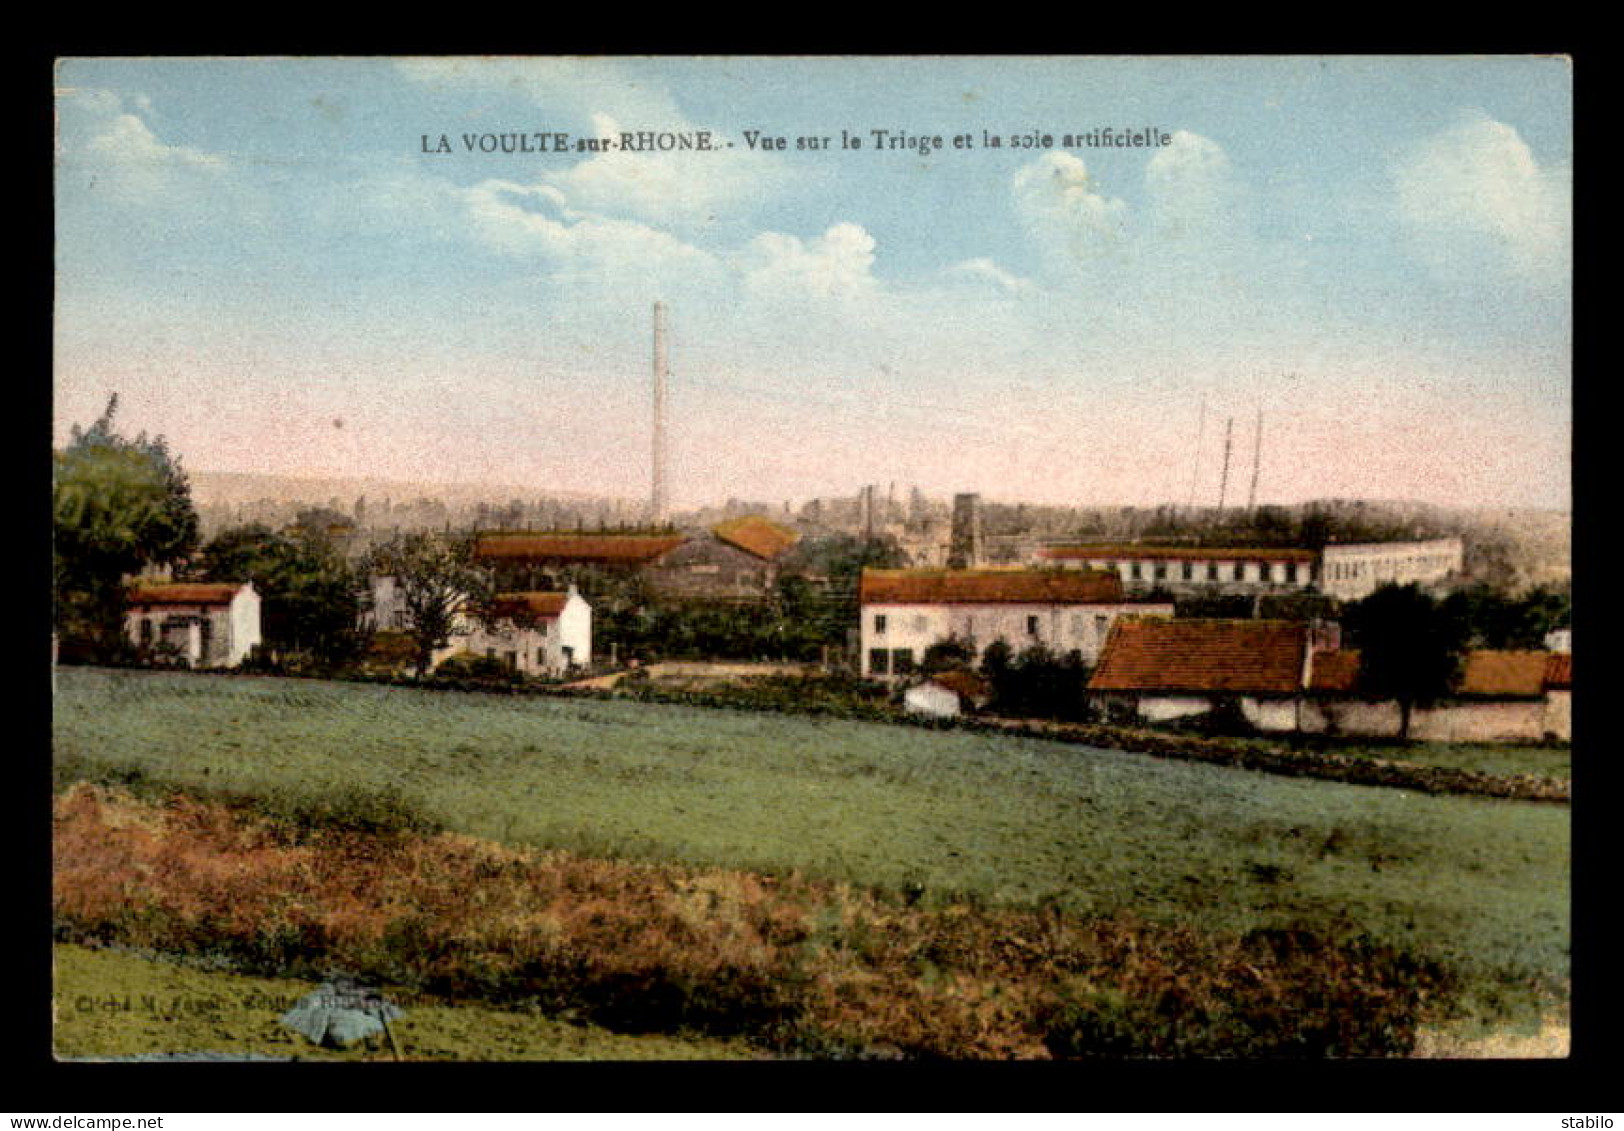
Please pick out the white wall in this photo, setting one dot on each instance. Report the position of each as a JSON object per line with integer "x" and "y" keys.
{"x": 931, "y": 699}
{"x": 1061, "y": 628}
{"x": 244, "y": 631}
{"x": 1357, "y": 570}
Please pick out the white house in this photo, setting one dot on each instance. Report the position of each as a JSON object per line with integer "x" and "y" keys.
{"x": 905, "y": 611}
{"x": 212, "y": 625}
{"x": 536, "y": 633}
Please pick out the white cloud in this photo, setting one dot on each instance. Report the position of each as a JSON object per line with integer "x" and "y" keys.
{"x": 985, "y": 273}
{"x": 1193, "y": 192}
{"x": 689, "y": 188}
{"x": 836, "y": 264}
{"x": 118, "y": 151}
{"x": 1056, "y": 199}
{"x": 1473, "y": 197}
{"x": 576, "y": 246}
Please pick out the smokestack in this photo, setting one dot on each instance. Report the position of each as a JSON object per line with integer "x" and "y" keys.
{"x": 964, "y": 545}
{"x": 657, "y": 502}
{"x": 1223, "y": 484}
{"x": 1257, "y": 462}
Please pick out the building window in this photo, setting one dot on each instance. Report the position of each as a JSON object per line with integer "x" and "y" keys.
{"x": 512, "y": 659}
{"x": 1240, "y": 571}
{"x": 1031, "y": 626}
{"x": 879, "y": 661}
{"x": 921, "y": 623}
{"x": 1188, "y": 571}
{"x": 1134, "y": 571}
{"x": 1161, "y": 571}
{"x": 541, "y": 657}
{"x": 1291, "y": 571}
{"x": 205, "y": 628}
{"x": 146, "y": 631}
{"x": 1212, "y": 571}
{"x": 879, "y": 624}
{"x": 902, "y": 661}
{"x": 1077, "y": 623}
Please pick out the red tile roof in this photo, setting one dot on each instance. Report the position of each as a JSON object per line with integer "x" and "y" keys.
{"x": 1242, "y": 656}
{"x": 601, "y": 549}
{"x": 965, "y": 684}
{"x": 1559, "y": 671}
{"x": 1335, "y": 672}
{"x": 185, "y": 593}
{"x": 1483, "y": 672}
{"x": 1136, "y": 552}
{"x": 756, "y": 535}
{"x": 537, "y": 604}
{"x": 989, "y": 587}
{"x": 1503, "y": 673}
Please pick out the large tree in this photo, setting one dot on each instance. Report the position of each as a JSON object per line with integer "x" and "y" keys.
{"x": 311, "y": 594}
{"x": 119, "y": 506}
{"x": 440, "y": 584}
{"x": 1410, "y": 647}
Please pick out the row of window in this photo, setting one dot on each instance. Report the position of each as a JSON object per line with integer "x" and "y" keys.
{"x": 1213, "y": 570}
{"x": 1079, "y": 624}
{"x": 1390, "y": 567}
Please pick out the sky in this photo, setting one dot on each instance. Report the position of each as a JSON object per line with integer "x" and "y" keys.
{"x": 279, "y": 266}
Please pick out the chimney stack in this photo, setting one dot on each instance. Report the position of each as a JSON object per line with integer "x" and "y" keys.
{"x": 657, "y": 503}
{"x": 964, "y": 545}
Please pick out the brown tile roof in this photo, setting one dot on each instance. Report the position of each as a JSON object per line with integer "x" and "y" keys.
{"x": 185, "y": 593}
{"x": 1335, "y": 672}
{"x": 1244, "y": 656}
{"x": 989, "y": 587}
{"x": 1483, "y": 672}
{"x": 1138, "y": 552}
{"x": 1503, "y": 673}
{"x": 967, "y": 685}
{"x": 756, "y": 535}
{"x": 1559, "y": 670}
{"x": 538, "y": 604}
{"x": 601, "y": 549}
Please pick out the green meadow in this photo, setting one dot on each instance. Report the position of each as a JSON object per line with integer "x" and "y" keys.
{"x": 942, "y": 816}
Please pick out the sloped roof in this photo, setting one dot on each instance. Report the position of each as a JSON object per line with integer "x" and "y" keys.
{"x": 1243, "y": 656}
{"x": 989, "y": 587}
{"x": 1503, "y": 673}
{"x": 1483, "y": 672}
{"x": 965, "y": 684}
{"x": 1559, "y": 670}
{"x": 603, "y": 549}
{"x": 185, "y": 593}
{"x": 1335, "y": 672}
{"x": 756, "y": 535}
{"x": 1137, "y": 552}
{"x": 546, "y": 605}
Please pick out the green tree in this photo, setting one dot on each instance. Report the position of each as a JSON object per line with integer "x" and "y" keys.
{"x": 1410, "y": 647}
{"x": 312, "y": 596}
{"x": 118, "y": 506}
{"x": 439, "y": 583}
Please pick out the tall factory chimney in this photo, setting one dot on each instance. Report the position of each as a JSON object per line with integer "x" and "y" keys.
{"x": 964, "y": 545}
{"x": 657, "y": 503}
{"x": 1223, "y": 484}
{"x": 1257, "y": 462}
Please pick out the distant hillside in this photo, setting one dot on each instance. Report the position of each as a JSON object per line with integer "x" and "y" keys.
{"x": 213, "y": 488}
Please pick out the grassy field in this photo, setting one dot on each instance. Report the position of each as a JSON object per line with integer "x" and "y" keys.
{"x": 946, "y": 816}
{"x": 112, "y": 1004}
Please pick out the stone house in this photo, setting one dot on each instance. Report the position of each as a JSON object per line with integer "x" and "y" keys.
{"x": 203, "y": 625}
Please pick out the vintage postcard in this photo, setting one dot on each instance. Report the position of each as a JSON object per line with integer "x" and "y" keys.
{"x": 822, "y": 558}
